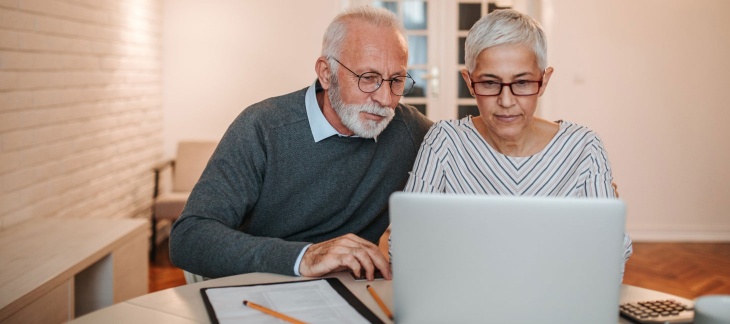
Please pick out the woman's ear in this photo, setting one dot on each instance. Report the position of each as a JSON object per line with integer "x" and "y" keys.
{"x": 322, "y": 68}
{"x": 546, "y": 79}
{"x": 467, "y": 79}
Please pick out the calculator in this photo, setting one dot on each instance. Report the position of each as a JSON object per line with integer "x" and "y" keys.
{"x": 658, "y": 311}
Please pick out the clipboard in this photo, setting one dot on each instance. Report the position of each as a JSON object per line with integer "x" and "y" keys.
{"x": 334, "y": 283}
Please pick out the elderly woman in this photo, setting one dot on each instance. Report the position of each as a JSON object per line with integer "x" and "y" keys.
{"x": 506, "y": 150}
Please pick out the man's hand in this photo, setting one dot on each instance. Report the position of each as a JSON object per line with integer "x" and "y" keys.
{"x": 345, "y": 252}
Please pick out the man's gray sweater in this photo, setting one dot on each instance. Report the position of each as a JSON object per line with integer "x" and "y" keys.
{"x": 269, "y": 189}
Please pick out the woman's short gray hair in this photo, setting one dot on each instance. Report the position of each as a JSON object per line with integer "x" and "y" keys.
{"x": 506, "y": 26}
{"x": 335, "y": 34}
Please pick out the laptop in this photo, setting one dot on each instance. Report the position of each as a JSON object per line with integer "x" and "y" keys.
{"x": 499, "y": 259}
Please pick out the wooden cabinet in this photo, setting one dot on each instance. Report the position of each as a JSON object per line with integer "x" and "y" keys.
{"x": 52, "y": 271}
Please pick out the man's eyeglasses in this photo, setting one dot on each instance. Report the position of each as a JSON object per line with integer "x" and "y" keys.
{"x": 371, "y": 81}
{"x": 518, "y": 88}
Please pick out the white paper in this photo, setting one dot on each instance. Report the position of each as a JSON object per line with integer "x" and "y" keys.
{"x": 309, "y": 301}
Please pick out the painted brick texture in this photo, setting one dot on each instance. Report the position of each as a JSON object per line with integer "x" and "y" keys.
{"x": 80, "y": 108}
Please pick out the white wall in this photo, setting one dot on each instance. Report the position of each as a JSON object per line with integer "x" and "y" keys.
{"x": 652, "y": 77}
{"x": 80, "y": 108}
{"x": 221, "y": 56}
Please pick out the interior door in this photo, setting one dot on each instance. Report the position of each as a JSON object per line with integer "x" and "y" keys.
{"x": 436, "y": 31}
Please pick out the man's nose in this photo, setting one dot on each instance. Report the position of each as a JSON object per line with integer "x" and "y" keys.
{"x": 383, "y": 95}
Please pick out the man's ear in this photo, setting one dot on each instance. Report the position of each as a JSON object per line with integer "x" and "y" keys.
{"x": 322, "y": 68}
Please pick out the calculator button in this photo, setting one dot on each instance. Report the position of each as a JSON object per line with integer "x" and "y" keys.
{"x": 659, "y": 311}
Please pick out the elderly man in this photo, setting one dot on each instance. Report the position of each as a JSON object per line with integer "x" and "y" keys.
{"x": 299, "y": 184}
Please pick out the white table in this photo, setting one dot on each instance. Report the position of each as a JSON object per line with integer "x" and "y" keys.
{"x": 184, "y": 304}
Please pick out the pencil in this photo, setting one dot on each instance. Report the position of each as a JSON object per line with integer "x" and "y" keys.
{"x": 272, "y": 312}
{"x": 380, "y": 302}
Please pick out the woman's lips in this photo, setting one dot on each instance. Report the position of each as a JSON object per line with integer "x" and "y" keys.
{"x": 507, "y": 118}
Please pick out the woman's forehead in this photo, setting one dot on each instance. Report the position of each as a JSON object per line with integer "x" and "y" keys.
{"x": 511, "y": 59}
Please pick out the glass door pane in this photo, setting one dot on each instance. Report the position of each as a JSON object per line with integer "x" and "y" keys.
{"x": 414, "y": 15}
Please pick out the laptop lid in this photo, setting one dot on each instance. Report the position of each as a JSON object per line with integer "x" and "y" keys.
{"x": 499, "y": 259}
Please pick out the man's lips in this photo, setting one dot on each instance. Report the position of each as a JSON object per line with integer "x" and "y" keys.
{"x": 372, "y": 116}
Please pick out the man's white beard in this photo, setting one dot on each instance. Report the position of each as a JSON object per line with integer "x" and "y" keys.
{"x": 350, "y": 114}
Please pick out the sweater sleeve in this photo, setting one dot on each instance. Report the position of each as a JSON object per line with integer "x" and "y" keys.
{"x": 208, "y": 239}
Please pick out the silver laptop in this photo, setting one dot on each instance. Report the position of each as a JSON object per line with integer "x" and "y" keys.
{"x": 497, "y": 259}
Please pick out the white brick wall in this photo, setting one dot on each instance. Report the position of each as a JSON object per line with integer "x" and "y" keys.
{"x": 80, "y": 108}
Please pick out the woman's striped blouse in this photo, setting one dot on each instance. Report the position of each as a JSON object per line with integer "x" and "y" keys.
{"x": 454, "y": 158}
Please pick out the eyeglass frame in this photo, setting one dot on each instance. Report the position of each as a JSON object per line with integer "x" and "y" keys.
{"x": 509, "y": 84}
{"x": 380, "y": 84}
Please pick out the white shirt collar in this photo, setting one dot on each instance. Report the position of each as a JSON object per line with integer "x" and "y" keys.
{"x": 319, "y": 125}
{"x": 321, "y": 128}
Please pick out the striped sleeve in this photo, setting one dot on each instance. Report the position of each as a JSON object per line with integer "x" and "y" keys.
{"x": 425, "y": 176}
{"x": 599, "y": 184}
{"x": 600, "y": 179}
{"x": 427, "y": 173}
{"x": 628, "y": 251}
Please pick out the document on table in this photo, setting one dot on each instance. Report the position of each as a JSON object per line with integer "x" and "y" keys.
{"x": 312, "y": 301}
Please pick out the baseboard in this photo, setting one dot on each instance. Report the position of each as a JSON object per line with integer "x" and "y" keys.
{"x": 679, "y": 236}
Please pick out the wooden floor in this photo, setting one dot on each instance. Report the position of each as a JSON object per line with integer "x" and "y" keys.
{"x": 163, "y": 274}
{"x": 687, "y": 270}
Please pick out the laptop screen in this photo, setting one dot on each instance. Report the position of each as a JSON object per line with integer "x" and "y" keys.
{"x": 498, "y": 259}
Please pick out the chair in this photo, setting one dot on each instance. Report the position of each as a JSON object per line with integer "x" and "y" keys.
{"x": 174, "y": 179}
{"x": 191, "y": 278}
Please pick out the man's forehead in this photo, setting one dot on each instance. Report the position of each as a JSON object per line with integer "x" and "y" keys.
{"x": 376, "y": 45}
{"x": 373, "y": 59}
